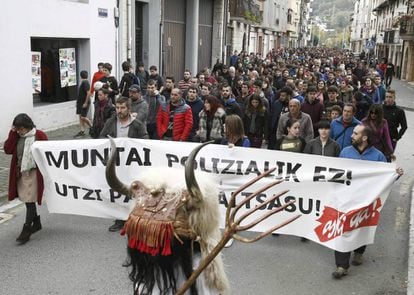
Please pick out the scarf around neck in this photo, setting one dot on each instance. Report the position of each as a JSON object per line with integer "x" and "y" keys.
{"x": 28, "y": 162}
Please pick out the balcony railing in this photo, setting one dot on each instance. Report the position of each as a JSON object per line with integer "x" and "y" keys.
{"x": 407, "y": 29}
{"x": 246, "y": 9}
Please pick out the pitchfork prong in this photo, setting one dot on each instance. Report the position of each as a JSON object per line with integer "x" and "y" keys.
{"x": 263, "y": 217}
{"x": 262, "y": 235}
{"x": 251, "y": 196}
{"x": 242, "y": 188}
{"x": 251, "y": 211}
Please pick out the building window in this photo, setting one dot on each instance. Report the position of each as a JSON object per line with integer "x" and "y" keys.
{"x": 289, "y": 16}
{"x": 55, "y": 69}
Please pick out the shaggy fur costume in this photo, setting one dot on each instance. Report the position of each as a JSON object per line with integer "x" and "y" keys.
{"x": 203, "y": 218}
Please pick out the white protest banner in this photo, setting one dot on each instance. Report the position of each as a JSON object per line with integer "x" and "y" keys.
{"x": 340, "y": 199}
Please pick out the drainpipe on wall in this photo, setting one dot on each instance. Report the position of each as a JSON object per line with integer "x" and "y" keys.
{"x": 399, "y": 73}
{"x": 116, "y": 20}
{"x": 161, "y": 36}
{"x": 129, "y": 30}
{"x": 224, "y": 53}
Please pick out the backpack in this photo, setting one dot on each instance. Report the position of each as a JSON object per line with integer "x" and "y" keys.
{"x": 127, "y": 80}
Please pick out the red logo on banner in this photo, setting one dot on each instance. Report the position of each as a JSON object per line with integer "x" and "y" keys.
{"x": 334, "y": 223}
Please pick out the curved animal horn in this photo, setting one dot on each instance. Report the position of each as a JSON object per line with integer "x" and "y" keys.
{"x": 110, "y": 172}
{"x": 190, "y": 180}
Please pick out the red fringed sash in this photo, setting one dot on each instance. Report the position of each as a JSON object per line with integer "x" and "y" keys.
{"x": 149, "y": 236}
{"x": 150, "y": 226}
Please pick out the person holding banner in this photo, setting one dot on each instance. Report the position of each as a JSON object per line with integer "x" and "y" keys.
{"x": 291, "y": 141}
{"x": 361, "y": 149}
{"x": 323, "y": 145}
{"x": 234, "y": 136}
{"x": 342, "y": 127}
{"x": 234, "y": 132}
{"x": 25, "y": 180}
{"x": 123, "y": 124}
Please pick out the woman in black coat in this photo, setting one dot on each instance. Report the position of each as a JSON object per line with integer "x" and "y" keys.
{"x": 255, "y": 121}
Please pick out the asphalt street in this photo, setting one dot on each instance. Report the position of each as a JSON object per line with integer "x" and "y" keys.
{"x": 77, "y": 255}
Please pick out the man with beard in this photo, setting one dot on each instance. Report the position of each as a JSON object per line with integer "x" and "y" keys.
{"x": 139, "y": 107}
{"x": 230, "y": 104}
{"x": 174, "y": 119}
{"x": 196, "y": 105}
{"x": 361, "y": 149}
{"x": 154, "y": 100}
{"x": 244, "y": 96}
{"x": 185, "y": 82}
{"x": 123, "y": 124}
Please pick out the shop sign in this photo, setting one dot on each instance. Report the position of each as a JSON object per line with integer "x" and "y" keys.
{"x": 102, "y": 12}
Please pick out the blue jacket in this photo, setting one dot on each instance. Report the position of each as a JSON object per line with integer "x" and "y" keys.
{"x": 369, "y": 154}
{"x": 337, "y": 133}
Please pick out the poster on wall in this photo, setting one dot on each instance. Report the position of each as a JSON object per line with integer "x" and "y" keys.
{"x": 67, "y": 63}
{"x": 36, "y": 71}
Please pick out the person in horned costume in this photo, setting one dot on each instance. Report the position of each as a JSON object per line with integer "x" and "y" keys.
{"x": 174, "y": 229}
{"x": 169, "y": 231}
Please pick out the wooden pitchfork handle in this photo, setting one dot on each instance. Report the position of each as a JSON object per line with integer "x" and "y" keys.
{"x": 232, "y": 227}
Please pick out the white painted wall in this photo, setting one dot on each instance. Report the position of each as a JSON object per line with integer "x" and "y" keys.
{"x": 24, "y": 19}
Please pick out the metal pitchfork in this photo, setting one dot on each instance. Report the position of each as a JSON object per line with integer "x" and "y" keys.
{"x": 233, "y": 224}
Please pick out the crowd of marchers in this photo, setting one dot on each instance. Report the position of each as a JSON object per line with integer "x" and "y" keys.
{"x": 309, "y": 85}
{"x": 309, "y": 100}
